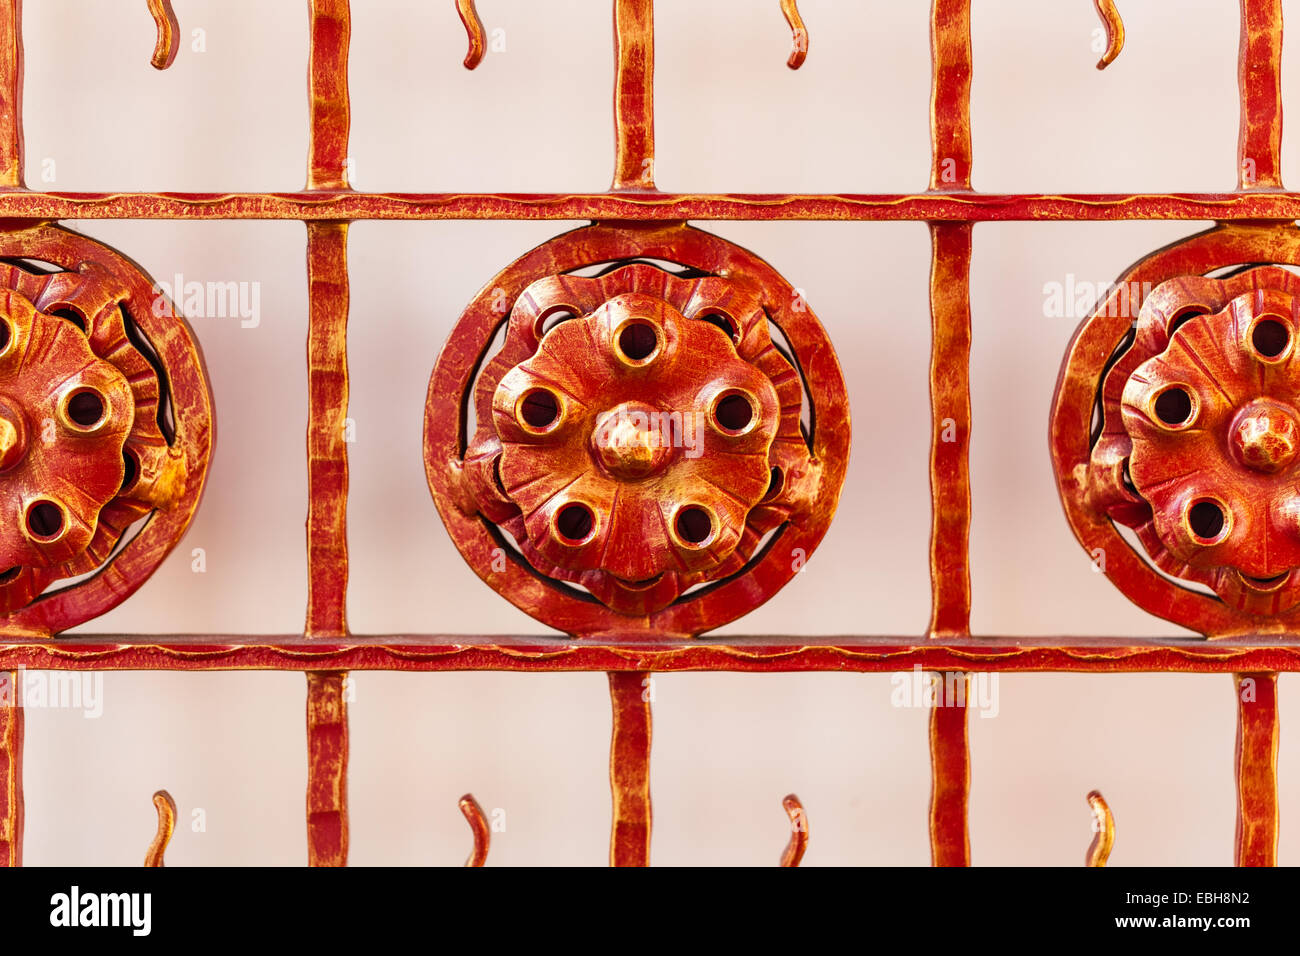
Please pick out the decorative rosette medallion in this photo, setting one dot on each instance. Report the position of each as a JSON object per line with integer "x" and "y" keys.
{"x": 640, "y": 446}
{"x": 105, "y": 421}
{"x": 1194, "y": 432}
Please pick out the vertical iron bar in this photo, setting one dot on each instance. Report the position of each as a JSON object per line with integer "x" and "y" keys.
{"x": 950, "y": 428}
{"x": 11, "y": 176}
{"x": 327, "y": 452}
{"x": 327, "y": 769}
{"x": 629, "y": 768}
{"x": 950, "y": 775}
{"x": 11, "y": 770}
{"x": 327, "y": 459}
{"x": 629, "y": 752}
{"x": 1256, "y": 769}
{"x": 327, "y": 91}
{"x": 634, "y": 104}
{"x": 11, "y": 94}
{"x": 950, "y": 244}
{"x": 950, "y": 64}
{"x": 1259, "y": 81}
{"x": 1259, "y": 166}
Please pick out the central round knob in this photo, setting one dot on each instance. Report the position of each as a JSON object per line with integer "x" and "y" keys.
{"x": 13, "y": 435}
{"x": 1266, "y": 437}
{"x": 635, "y": 440}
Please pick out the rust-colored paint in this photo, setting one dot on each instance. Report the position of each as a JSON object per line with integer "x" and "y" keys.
{"x": 1110, "y": 19}
{"x": 950, "y": 429}
{"x": 166, "y": 808}
{"x": 630, "y": 696}
{"x": 103, "y": 457}
{"x": 1240, "y": 396}
{"x": 1103, "y": 829}
{"x": 798, "y": 36}
{"x": 1259, "y": 80}
{"x": 949, "y": 775}
{"x": 797, "y": 845}
{"x": 327, "y": 437}
{"x": 327, "y": 769}
{"x": 165, "y": 47}
{"x": 474, "y": 31}
{"x": 521, "y": 477}
{"x": 478, "y": 826}
{"x": 1197, "y": 341}
{"x": 635, "y": 220}
{"x": 754, "y": 654}
{"x": 11, "y": 771}
{"x": 951, "y": 156}
{"x": 1256, "y": 769}
{"x": 327, "y": 94}
{"x": 347, "y": 206}
{"x": 634, "y": 95}
{"x": 950, "y": 57}
{"x": 11, "y": 94}
{"x": 327, "y": 455}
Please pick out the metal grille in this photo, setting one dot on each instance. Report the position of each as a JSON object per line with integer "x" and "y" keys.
{"x": 326, "y": 650}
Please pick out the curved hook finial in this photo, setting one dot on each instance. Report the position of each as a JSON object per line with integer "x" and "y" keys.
{"x": 1114, "y": 31}
{"x": 1103, "y": 825}
{"x": 474, "y": 29}
{"x": 799, "y": 52}
{"x": 478, "y": 825}
{"x": 164, "y": 50}
{"x": 166, "y": 806}
{"x": 798, "y": 845}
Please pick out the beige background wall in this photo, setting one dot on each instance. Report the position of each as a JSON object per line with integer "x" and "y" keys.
{"x": 536, "y": 116}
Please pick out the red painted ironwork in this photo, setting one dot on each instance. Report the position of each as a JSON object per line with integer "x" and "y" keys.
{"x": 634, "y": 91}
{"x": 567, "y": 457}
{"x": 11, "y": 770}
{"x": 164, "y": 18}
{"x": 11, "y": 95}
{"x": 478, "y": 826}
{"x": 951, "y": 155}
{"x": 630, "y": 693}
{"x": 645, "y": 206}
{"x": 1101, "y": 485}
{"x": 327, "y": 769}
{"x": 949, "y": 774}
{"x": 327, "y": 456}
{"x": 950, "y": 430}
{"x": 797, "y": 846}
{"x": 1110, "y": 18}
{"x": 166, "y": 807}
{"x": 1256, "y": 766}
{"x": 474, "y": 30}
{"x": 90, "y": 441}
{"x": 1103, "y": 827}
{"x": 743, "y": 653}
{"x": 798, "y": 34}
{"x": 1255, "y": 224}
{"x": 1259, "y": 77}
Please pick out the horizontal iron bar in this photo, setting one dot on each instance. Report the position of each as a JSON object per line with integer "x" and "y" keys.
{"x": 345, "y": 205}
{"x": 457, "y": 652}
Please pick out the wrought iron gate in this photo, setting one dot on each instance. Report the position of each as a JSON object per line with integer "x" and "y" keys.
{"x": 1248, "y": 623}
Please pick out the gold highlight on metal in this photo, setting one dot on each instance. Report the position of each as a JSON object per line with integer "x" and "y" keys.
{"x": 474, "y": 29}
{"x": 799, "y": 33}
{"x": 166, "y": 807}
{"x": 1114, "y": 31}
{"x": 1103, "y": 825}
{"x": 164, "y": 51}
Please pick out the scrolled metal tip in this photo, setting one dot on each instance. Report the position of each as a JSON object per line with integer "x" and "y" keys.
{"x": 798, "y": 844}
